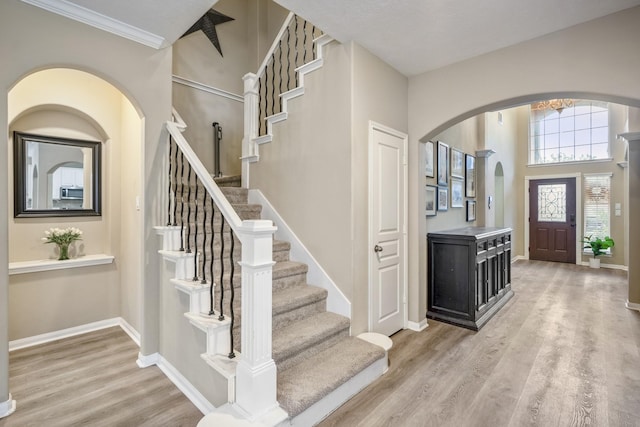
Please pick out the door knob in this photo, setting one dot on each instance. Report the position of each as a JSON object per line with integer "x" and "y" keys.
{"x": 377, "y": 248}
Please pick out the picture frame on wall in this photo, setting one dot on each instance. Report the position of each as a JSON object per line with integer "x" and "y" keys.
{"x": 443, "y": 198}
{"x": 431, "y": 203}
{"x": 471, "y": 210}
{"x": 470, "y": 176}
{"x": 457, "y": 193}
{"x": 457, "y": 163}
{"x": 429, "y": 165}
{"x": 443, "y": 163}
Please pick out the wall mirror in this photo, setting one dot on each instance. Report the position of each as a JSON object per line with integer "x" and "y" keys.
{"x": 55, "y": 176}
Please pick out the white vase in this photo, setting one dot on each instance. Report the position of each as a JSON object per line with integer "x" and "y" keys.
{"x": 594, "y": 262}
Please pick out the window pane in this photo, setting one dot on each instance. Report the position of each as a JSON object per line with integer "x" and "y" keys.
{"x": 599, "y": 135}
{"x": 600, "y": 119}
{"x": 551, "y": 140}
{"x": 566, "y": 124}
{"x": 582, "y": 109}
{"x": 583, "y": 152}
{"x": 600, "y": 151}
{"x": 583, "y": 136}
{"x": 567, "y": 154}
{"x": 552, "y": 126}
{"x": 552, "y": 202}
{"x": 537, "y": 128}
{"x": 583, "y": 122}
{"x": 566, "y": 139}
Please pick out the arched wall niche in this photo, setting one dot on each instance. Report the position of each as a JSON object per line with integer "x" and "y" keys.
{"x": 74, "y": 103}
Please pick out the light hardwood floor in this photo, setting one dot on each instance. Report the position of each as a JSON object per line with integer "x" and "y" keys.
{"x": 563, "y": 352}
{"x": 93, "y": 380}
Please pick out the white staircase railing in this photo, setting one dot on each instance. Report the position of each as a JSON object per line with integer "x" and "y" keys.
{"x": 296, "y": 51}
{"x": 256, "y": 371}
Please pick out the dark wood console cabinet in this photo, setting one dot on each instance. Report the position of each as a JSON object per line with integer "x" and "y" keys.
{"x": 469, "y": 276}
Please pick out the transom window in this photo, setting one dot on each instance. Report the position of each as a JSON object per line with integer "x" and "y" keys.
{"x": 568, "y": 131}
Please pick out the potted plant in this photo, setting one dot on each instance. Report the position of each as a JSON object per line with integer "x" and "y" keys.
{"x": 598, "y": 246}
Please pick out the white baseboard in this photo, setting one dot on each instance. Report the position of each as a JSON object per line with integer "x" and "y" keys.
{"x": 518, "y": 258}
{"x": 130, "y": 330}
{"x": 7, "y": 408}
{"x": 632, "y": 306}
{"x": 185, "y": 386}
{"x": 418, "y": 326}
{"x": 149, "y": 360}
{"x": 64, "y": 333}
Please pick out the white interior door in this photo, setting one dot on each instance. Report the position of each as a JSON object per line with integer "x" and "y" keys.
{"x": 387, "y": 252}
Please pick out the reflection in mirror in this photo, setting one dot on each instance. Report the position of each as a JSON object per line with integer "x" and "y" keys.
{"x": 56, "y": 176}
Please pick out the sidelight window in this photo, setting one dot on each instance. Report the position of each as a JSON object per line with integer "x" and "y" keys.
{"x": 597, "y": 205}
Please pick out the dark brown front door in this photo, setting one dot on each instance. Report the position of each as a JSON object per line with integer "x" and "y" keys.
{"x": 552, "y": 220}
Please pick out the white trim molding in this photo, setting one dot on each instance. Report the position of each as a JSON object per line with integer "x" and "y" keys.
{"x": 7, "y": 408}
{"x": 35, "y": 266}
{"x": 64, "y": 333}
{"x": 206, "y": 88}
{"x": 418, "y": 326}
{"x": 185, "y": 386}
{"x": 102, "y": 22}
{"x": 632, "y": 305}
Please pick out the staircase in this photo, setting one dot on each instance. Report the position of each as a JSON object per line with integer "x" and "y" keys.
{"x": 300, "y": 362}
{"x": 319, "y": 365}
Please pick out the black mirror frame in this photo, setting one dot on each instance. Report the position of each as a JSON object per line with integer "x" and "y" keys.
{"x": 19, "y": 160}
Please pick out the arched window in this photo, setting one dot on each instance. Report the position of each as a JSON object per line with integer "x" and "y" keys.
{"x": 571, "y": 131}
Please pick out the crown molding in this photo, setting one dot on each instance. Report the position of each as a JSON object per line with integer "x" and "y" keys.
{"x": 102, "y": 22}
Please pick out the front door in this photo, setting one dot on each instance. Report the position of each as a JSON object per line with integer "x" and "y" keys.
{"x": 388, "y": 181}
{"x": 552, "y": 220}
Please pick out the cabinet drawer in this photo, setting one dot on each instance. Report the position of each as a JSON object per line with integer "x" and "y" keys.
{"x": 481, "y": 246}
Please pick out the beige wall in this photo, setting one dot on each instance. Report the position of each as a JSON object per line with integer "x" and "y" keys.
{"x": 244, "y": 42}
{"x": 141, "y": 73}
{"x": 513, "y": 76}
{"x": 316, "y": 169}
{"x": 305, "y": 172}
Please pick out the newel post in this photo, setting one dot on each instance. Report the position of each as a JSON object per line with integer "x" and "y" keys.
{"x": 256, "y": 371}
{"x": 249, "y": 148}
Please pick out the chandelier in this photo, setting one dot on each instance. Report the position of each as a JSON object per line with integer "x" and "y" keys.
{"x": 553, "y": 104}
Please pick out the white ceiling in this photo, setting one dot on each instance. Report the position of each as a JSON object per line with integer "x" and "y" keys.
{"x": 413, "y": 36}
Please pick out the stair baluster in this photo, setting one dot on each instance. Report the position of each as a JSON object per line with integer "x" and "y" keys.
{"x": 204, "y": 239}
{"x": 274, "y": 76}
{"x": 232, "y": 294}
{"x": 211, "y": 264}
{"x": 188, "y": 237}
{"x": 221, "y": 317}
{"x": 181, "y": 201}
{"x": 169, "y": 198}
{"x": 195, "y": 236}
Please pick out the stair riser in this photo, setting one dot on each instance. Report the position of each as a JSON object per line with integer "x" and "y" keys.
{"x": 312, "y": 348}
{"x": 284, "y": 319}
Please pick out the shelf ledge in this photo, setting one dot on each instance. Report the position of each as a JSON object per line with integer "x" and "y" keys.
{"x": 35, "y": 266}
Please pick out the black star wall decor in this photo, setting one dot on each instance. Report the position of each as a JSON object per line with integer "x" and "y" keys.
{"x": 208, "y": 24}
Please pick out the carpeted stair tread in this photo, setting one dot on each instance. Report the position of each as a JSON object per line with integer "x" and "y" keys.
{"x": 307, "y": 382}
{"x": 288, "y": 268}
{"x": 305, "y": 333}
{"x": 289, "y": 299}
